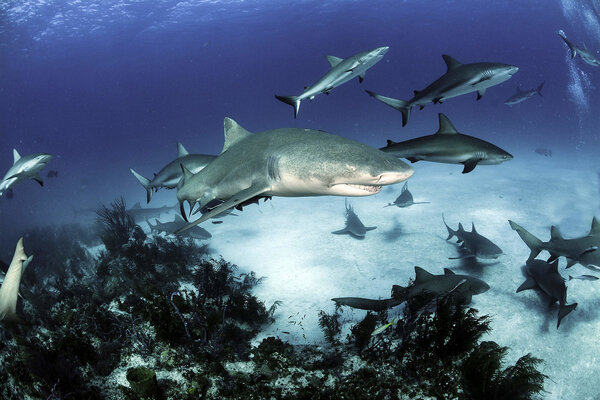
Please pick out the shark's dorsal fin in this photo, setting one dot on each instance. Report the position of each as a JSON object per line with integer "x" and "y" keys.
{"x": 390, "y": 142}
{"x": 404, "y": 187}
{"x": 333, "y": 60}
{"x": 233, "y": 133}
{"x": 181, "y": 151}
{"x": 460, "y": 227}
{"x": 421, "y": 275}
{"x": 448, "y": 272}
{"x": 137, "y": 205}
{"x": 416, "y": 92}
{"x": 473, "y": 228}
{"x": 595, "y": 227}
{"x": 446, "y": 127}
{"x": 16, "y": 156}
{"x": 451, "y": 63}
{"x": 555, "y": 233}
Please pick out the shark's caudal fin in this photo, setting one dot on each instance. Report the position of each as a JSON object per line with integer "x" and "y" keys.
{"x": 293, "y": 101}
{"x": 145, "y": 183}
{"x": 534, "y": 244}
{"x": 400, "y": 105}
{"x": 539, "y": 89}
{"x": 571, "y": 47}
{"x": 10, "y": 287}
{"x": 563, "y": 311}
{"x": 451, "y": 232}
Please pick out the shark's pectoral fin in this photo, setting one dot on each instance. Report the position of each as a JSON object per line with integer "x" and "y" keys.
{"x": 470, "y": 165}
{"x": 38, "y": 179}
{"x": 461, "y": 257}
{"x": 413, "y": 159}
{"x": 421, "y": 107}
{"x": 528, "y": 284}
{"x": 480, "y": 81}
{"x": 341, "y": 231}
{"x": 256, "y": 189}
{"x": 480, "y": 94}
{"x": 370, "y": 228}
{"x": 361, "y": 78}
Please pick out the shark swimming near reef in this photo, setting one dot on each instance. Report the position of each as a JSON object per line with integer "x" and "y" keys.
{"x": 522, "y": 95}
{"x": 169, "y": 228}
{"x": 461, "y": 287}
{"x": 354, "y": 226}
{"x": 459, "y": 79}
{"x": 405, "y": 199}
{"x": 474, "y": 244}
{"x": 288, "y": 162}
{"x": 583, "y": 250}
{"x": 170, "y": 174}
{"x": 342, "y": 70}
{"x": 140, "y": 214}
{"x": 545, "y": 276}
{"x": 584, "y": 53}
{"x": 9, "y": 290}
{"x": 449, "y": 146}
{"x": 23, "y": 168}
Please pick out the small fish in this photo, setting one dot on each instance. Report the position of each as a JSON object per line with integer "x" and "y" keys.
{"x": 584, "y": 277}
{"x": 52, "y": 174}
{"x": 384, "y": 327}
{"x": 543, "y": 152}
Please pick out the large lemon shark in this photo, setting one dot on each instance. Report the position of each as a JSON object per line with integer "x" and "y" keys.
{"x": 287, "y": 162}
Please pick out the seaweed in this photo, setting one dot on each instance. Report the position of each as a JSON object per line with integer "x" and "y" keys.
{"x": 360, "y": 334}
{"x": 330, "y": 325}
{"x": 116, "y": 226}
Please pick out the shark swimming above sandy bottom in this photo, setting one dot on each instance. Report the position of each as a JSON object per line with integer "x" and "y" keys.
{"x": 545, "y": 276}
{"x": 178, "y": 222}
{"x": 449, "y": 146}
{"x": 342, "y": 70}
{"x": 170, "y": 174}
{"x": 459, "y": 79}
{"x": 23, "y": 168}
{"x": 461, "y": 287}
{"x": 354, "y": 226}
{"x": 9, "y": 290}
{"x": 583, "y": 250}
{"x": 405, "y": 199}
{"x": 288, "y": 162}
{"x": 472, "y": 243}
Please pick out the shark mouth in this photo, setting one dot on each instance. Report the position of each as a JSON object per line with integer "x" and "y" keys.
{"x": 366, "y": 188}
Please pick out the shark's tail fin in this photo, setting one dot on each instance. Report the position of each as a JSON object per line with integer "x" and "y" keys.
{"x": 539, "y": 88}
{"x": 145, "y": 183}
{"x": 451, "y": 232}
{"x": 293, "y": 101}
{"x": 400, "y": 105}
{"x": 571, "y": 47}
{"x": 534, "y": 244}
{"x": 563, "y": 311}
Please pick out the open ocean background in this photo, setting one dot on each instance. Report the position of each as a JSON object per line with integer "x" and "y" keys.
{"x": 106, "y": 86}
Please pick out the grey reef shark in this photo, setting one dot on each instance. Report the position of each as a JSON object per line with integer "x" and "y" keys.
{"x": 545, "y": 276}
{"x": 583, "y": 250}
{"x": 342, "y": 70}
{"x": 459, "y": 79}
{"x": 170, "y": 174}
{"x": 287, "y": 162}
{"x": 24, "y": 168}
{"x": 169, "y": 228}
{"x": 140, "y": 214}
{"x": 522, "y": 95}
{"x": 449, "y": 146}
{"x": 354, "y": 226}
{"x": 584, "y": 53}
{"x": 462, "y": 288}
{"x": 9, "y": 291}
{"x": 472, "y": 243}
{"x": 405, "y": 199}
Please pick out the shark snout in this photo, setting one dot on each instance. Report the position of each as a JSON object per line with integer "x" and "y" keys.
{"x": 511, "y": 69}
{"x": 382, "y": 50}
{"x": 388, "y": 178}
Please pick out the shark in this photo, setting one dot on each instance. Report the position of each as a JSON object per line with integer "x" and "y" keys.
{"x": 545, "y": 276}
{"x": 474, "y": 244}
{"x": 9, "y": 291}
{"x": 288, "y": 162}
{"x": 462, "y": 288}
{"x": 449, "y": 146}
{"x": 522, "y": 95}
{"x": 405, "y": 199}
{"x": 459, "y": 79}
{"x": 354, "y": 226}
{"x": 139, "y": 213}
{"x": 23, "y": 168}
{"x": 584, "y": 53}
{"x": 342, "y": 70}
{"x": 170, "y": 174}
{"x": 178, "y": 222}
{"x": 583, "y": 250}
